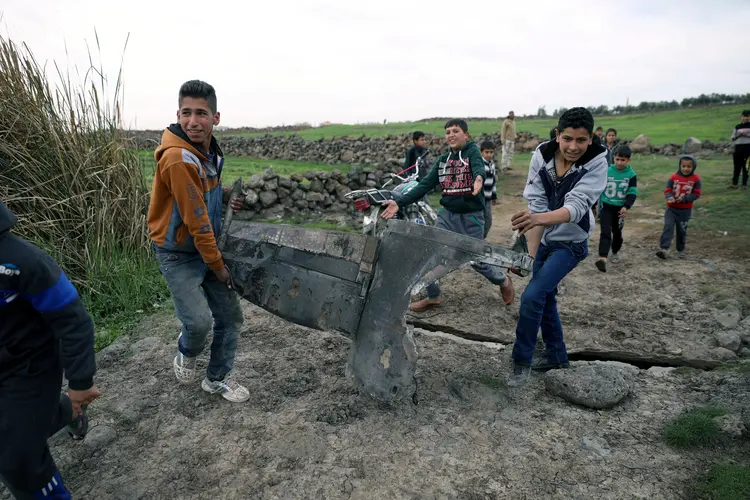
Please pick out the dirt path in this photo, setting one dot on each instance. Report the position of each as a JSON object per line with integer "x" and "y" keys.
{"x": 308, "y": 433}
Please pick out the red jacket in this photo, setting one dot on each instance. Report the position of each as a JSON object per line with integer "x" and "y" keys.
{"x": 687, "y": 185}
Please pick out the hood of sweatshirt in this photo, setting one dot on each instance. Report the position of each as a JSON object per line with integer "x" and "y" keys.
{"x": 175, "y": 137}
{"x": 691, "y": 158}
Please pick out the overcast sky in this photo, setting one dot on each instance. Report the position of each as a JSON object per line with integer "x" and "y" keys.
{"x": 287, "y": 61}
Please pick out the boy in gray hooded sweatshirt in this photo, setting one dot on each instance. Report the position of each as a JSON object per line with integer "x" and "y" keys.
{"x": 566, "y": 178}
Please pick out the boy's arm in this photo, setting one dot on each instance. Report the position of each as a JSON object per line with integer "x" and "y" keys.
{"x": 421, "y": 189}
{"x": 407, "y": 160}
{"x": 668, "y": 192}
{"x": 631, "y": 193}
{"x": 502, "y": 132}
{"x": 476, "y": 163}
{"x": 534, "y": 191}
{"x": 183, "y": 181}
{"x": 44, "y": 285}
{"x": 694, "y": 194}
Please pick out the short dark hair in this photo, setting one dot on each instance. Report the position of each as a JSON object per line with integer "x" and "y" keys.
{"x": 598, "y": 128}
{"x": 746, "y": 112}
{"x": 576, "y": 118}
{"x": 553, "y": 133}
{"x": 457, "y": 122}
{"x": 200, "y": 90}
{"x": 486, "y": 145}
{"x": 417, "y": 135}
{"x": 611, "y": 130}
{"x": 623, "y": 151}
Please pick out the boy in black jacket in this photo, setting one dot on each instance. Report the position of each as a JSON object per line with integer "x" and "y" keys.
{"x": 45, "y": 329}
{"x": 414, "y": 153}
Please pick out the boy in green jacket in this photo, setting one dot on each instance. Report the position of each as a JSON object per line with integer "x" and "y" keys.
{"x": 618, "y": 197}
{"x": 460, "y": 173}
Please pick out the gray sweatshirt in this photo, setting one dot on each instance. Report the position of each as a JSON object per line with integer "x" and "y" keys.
{"x": 578, "y": 190}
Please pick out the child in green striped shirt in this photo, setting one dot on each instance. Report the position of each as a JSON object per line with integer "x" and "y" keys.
{"x": 616, "y": 200}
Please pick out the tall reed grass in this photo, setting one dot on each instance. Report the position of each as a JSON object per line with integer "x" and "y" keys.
{"x": 74, "y": 181}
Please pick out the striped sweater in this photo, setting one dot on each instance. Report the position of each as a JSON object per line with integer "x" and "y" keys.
{"x": 490, "y": 182}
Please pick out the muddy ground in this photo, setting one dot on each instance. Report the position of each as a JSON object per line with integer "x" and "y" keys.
{"x": 307, "y": 432}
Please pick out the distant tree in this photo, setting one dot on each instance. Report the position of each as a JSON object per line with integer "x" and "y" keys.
{"x": 541, "y": 112}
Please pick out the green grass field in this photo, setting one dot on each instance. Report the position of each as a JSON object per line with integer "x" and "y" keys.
{"x": 714, "y": 123}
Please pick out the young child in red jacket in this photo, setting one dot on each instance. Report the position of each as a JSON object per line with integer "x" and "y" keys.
{"x": 683, "y": 188}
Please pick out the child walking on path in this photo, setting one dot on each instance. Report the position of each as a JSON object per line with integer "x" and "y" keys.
{"x": 618, "y": 197}
{"x": 741, "y": 142}
{"x": 683, "y": 188}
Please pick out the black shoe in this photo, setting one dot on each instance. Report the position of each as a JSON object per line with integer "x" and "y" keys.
{"x": 601, "y": 265}
{"x": 662, "y": 254}
{"x": 542, "y": 364}
{"x": 78, "y": 428}
{"x": 519, "y": 375}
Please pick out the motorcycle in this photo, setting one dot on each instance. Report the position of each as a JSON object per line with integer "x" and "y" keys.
{"x": 369, "y": 201}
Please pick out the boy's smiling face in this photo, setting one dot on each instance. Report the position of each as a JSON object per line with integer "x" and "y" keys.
{"x": 745, "y": 119}
{"x": 573, "y": 142}
{"x": 487, "y": 154}
{"x": 455, "y": 137}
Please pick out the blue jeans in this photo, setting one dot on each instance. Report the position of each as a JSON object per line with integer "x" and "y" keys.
{"x": 539, "y": 305}
{"x": 198, "y": 298}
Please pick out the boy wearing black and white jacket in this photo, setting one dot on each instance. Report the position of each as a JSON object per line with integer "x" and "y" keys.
{"x": 45, "y": 329}
{"x": 566, "y": 178}
{"x": 487, "y": 149}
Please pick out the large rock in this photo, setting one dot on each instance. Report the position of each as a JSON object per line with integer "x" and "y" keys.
{"x": 99, "y": 437}
{"x": 729, "y": 340}
{"x": 271, "y": 184}
{"x": 729, "y": 317}
{"x": 251, "y": 197}
{"x": 316, "y": 185}
{"x": 724, "y": 354}
{"x": 594, "y": 386}
{"x": 268, "y": 198}
{"x": 315, "y": 196}
{"x": 639, "y": 144}
{"x": 255, "y": 182}
{"x": 346, "y": 156}
{"x": 692, "y": 145}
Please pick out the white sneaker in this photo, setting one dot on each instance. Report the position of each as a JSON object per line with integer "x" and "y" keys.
{"x": 229, "y": 389}
{"x": 184, "y": 369}
{"x": 614, "y": 259}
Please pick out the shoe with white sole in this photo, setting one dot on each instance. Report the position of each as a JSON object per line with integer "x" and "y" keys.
{"x": 184, "y": 369}
{"x": 229, "y": 389}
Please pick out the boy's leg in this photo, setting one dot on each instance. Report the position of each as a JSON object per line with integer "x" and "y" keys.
{"x": 185, "y": 274}
{"x": 745, "y": 149}
{"x": 738, "y": 159}
{"x": 227, "y": 314}
{"x": 487, "y": 217}
{"x": 682, "y": 217}
{"x": 617, "y": 225}
{"x": 32, "y": 411}
{"x": 605, "y": 238}
{"x": 433, "y": 289}
{"x": 668, "y": 232}
{"x": 551, "y": 265}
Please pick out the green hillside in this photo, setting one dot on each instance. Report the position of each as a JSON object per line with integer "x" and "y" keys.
{"x": 712, "y": 122}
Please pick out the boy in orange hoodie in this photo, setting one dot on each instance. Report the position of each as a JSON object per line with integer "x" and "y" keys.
{"x": 184, "y": 220}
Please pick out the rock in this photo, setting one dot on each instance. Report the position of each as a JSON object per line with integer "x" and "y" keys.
{"x": 309, "y": 175}
{"x": 729, "y": 317}
{"x": 100, "y": 436}
{"x": 595, "y": 445}
{"x": 723, "y": 354}
{"x": 286, "y": 201}
{"x": 710, "y": 265}
{"x": 314, "y": 197}
{"x": 113, "y": 352}
{"x": 251, "y": 197}
{"x": 255, "y": 182}
{"x": 332, "y": 185}
{"x": 731, "y": 425}
{"x": 729, "y": 340}
{"x": 316, "y": 185}
{"x": 301, "y": 204}
{"x": 639, "y": 144}
{"x": 371, "y": 183}
{"x": 744, "y": 330}
{"x": 296, "y": 177}
{"x": 692, "y": 145}
{"x": 660, "y": 371}
{"x": 596, "y": 386}
{"x": 269, "y": 174}
{"x": 324, "y": 175}
{"x": 286, "y": 183}
{"x": 346, "y": 156}
{"x": 297, "y": 194}
{"x": 271, "y": 184}
{"x": 268, "y": 198}
{"x": 530, "y": 145}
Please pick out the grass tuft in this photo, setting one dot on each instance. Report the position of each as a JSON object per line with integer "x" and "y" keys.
{"x": 694, "y": 428}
